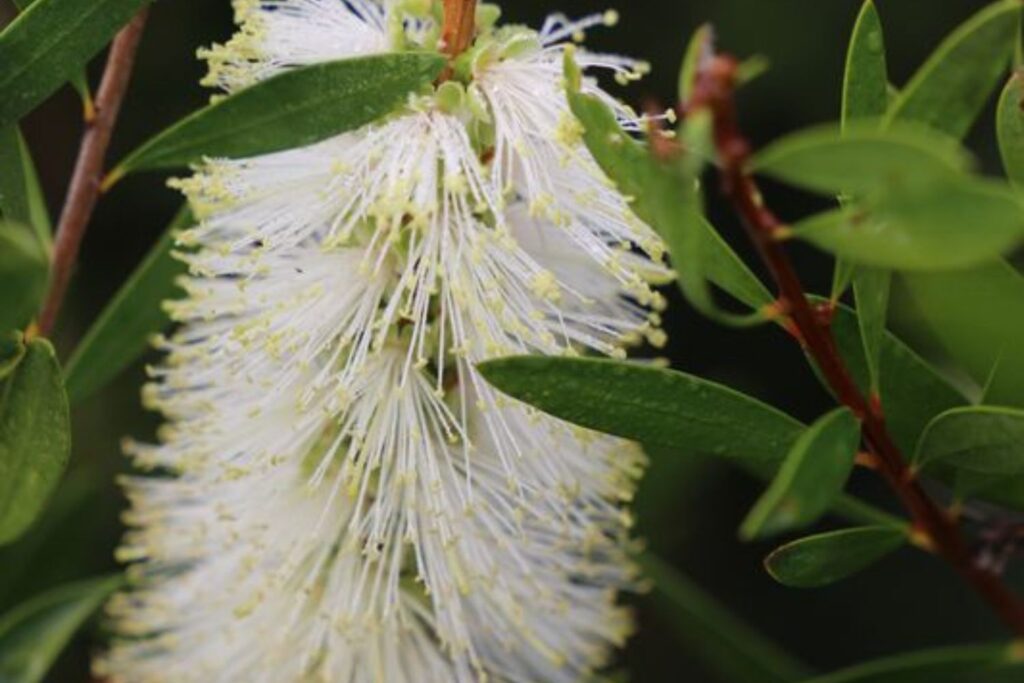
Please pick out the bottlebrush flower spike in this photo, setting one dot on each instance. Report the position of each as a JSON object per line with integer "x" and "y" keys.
{"x": 337, "y": 494}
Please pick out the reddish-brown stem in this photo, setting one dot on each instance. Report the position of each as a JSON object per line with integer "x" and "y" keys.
{"x": 84, "y": 190}
{"x": 935, "y": 529}
{"x": 458, "y": 30}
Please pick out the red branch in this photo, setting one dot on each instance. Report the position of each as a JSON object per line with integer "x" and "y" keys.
{"x": 935, "y": 529}
{"x": 84, "y": 190}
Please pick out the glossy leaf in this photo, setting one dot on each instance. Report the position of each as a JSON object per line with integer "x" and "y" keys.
{"x": 21, "y": 198}
{"x": 33, "y": 634}
{"x": 981, "y": 439}
{"x": 871, "y": 289}
{"x": 729, "y": 648}
{"x": 292, "y": 109}
{"x": 124, "y": 329}
{"x": 866, "y": 78}
{"x": 862, "y": 159}
{"x": 940, "y": 665}
{"x": 49, "y": 43}
{"x": 949, "y": 91}
{"x": 946, "y": 226}
{"x": 35, "y": 438}
{"x": 826, "y": 558}
{"x": 24, "y": 269}
{"x": 811, "y": 478}
{"x": 79, "y": 81}
{"x": 1010, "y": 129}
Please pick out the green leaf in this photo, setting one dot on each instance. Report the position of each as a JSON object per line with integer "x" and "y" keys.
{"x": 701, "y": 42}
{"x": 79, "y": 81}
{"x": 951, "y": 88}
{"x": 866, "y": 80}
{"x": 810, "y": 479}
{"x": 862, "y": 159}
{"x": 725, "y": 269}
{"x": 12, "y": 350}
{"x": 1010, "y": 129}
{"x": 49, "y": 43}
{"x": 729, "y": 648}
{"x": 35, "y": 438}
{"x": 980, "y": 439}
{"x": 24, "y": 270}
{"x": 978, "y": 316}
{"x": 292, "y": 109}
{"x": 123, "y": 330}
{"x": 871, "y": 288}
{"x": 33, "y": 634}
{"x": 940, "y": 665}
{"x": 649, "y": 405}
{"x": 21, "y": 198}
{"x": 920, "y": 229}
{"x": 830, "y": 557}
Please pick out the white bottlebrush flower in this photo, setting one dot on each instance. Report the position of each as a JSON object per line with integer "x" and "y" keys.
{"x": 337, "y": 495}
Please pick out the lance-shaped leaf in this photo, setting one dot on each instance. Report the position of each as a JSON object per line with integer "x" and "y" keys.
{"x": 35, "y": 438}
{"x": 21, "y": 197}
{"x": 24, "y": 269}
{"x": 862, "y": 159}
{"x": 811, "y": 478}
{"x": 1010, "y": 128}
{"x": 951, "y": 88}
{"x": 292, "y": 109}
{"x": 724, "y": 644}
{"x": 871, "y": 288}
{"x": 700, "y": 45}
{"x": 125, "y": 327}
{"x": 33, "y": 634}
{"x": 79, "y": 81}
{"x": 923, "y": 228}
{"x": 830, "y": 557}
{"x": 939, "y": 665}
{"x": 49, "y": 43}
{"x": 981, "y": 439}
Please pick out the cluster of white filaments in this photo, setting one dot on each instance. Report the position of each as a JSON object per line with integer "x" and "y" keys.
{"x": 337, "y": 494}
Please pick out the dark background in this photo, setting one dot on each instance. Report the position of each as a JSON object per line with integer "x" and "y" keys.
{"x": 689, "y": 511}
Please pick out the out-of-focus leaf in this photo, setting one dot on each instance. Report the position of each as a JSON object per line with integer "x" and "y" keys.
{"x": 33, "y": 634}
{"x": 132, "y": 317}
{"x": 862, "y": 159}
{"x": 24, "y": 270}
{"x": 981, "y": 439}
{"x": 871, "y": 288}
{"x": 1010, "y": 129}
{"x": 951, "y": 88}
{"x": 700, "y": 44}
{"x": 292, "y": 109}
{"x": 978, "y": 316}
{"x": 940, "y": 665}
{"x": 49, "y": 44}
{"x": 35, "y": 438}
{"x": 866, "y": 79}
{"x": 729, "y": 648}
{"x": 12, "y": 350}
{"x": 945, "y": 226}
{"x": 21, "y": 198}
{"x": 812, "y": 476}
{"x": 826, "y": 558}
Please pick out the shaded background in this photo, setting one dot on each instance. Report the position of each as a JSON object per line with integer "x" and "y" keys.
{"x": 688, "y": 510}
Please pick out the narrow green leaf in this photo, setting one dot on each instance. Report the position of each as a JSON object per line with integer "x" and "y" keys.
{"x": 48, "y": 45}
{"x": 728, "y": 647}
{"x": 292, "y": 109}
{"x": 1010, "y": 128}
{"x": 920, "y": 229}
{"x": 951, "y": 88}
{"x": 866, "y": 79}
{"x": 21, "y": 197}
{"x": 830, "y": 557}
{"x": 35, "y": 438}
{"x": 980, "y": 439}
{"x": 700, "y": 45}
{"x": 940, "y": 665}
{"x": 862, "y": 159}
{"x": 811, "y": 478}
{"x": 125, "y": 327}
{"x": 726, "y": 270}
{"x": 79, "y": 81}
{"x": 24, "y": 269}
{"x": 33, "y": 634}
{"x": 871, "y": 288}
{"x": 649, "y": 405}
{"x": 12, "y": 350}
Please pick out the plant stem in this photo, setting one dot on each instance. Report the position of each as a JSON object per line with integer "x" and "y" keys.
{"x": 84, "y": 190}
{"x": 458, "y": 30}
{"x": 935, "y": 529}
